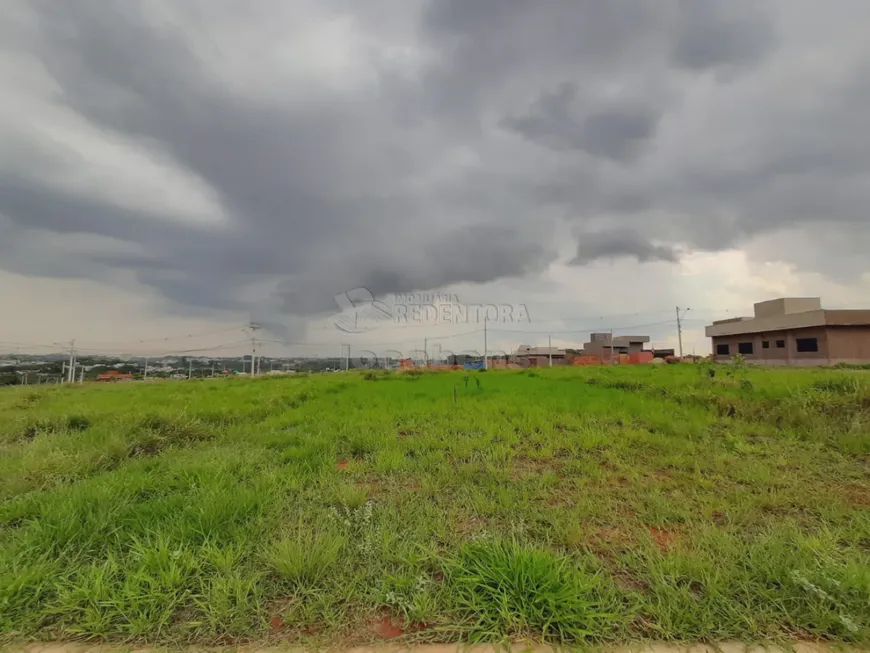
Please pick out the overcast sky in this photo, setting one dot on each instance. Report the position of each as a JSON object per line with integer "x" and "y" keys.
{"x": 172, "y": 169}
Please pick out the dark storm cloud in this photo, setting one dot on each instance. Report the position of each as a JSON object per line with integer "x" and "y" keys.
{"x": 617, "y": 132}
{"x": 406, "y": 145}
{"x": 615, "y": 244}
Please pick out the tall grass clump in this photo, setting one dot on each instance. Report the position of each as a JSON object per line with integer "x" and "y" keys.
{"x": 504, "y": 588}
{"x": 305, "y": 557}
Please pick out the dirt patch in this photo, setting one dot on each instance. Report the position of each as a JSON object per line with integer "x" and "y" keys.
{"x": 470, "y": 525}
{"x": 386, "y": 628}
{"x": 560, "y": 499}
{"x": 342, "y": 465}
{"x": 373, "y": 487}
{"x": 857, "y": 495}
{"x": 277, "y": 625}
{"x": 607, "y": 541}
{"x": 627, "y": 580}
{"x": 663, "y": 539}
{"x": 521, "y": 466}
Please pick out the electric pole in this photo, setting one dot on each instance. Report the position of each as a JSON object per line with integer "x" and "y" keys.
{"x": 82, "y": 375}
{"x": 253, "y": 327}
{"x": 610, "y": 361}
{"x": 189, "y": 370}
{"x": 485, "y": 359}
{"x": 145, "y": 376}
{"x": 550, "y": 349}
{"x": 72, "y": 361}
{"x": 426, "y": 352}
{"x": 680, "y": 330}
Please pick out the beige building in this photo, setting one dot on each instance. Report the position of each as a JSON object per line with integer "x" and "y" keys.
{"x": 607, "y": 346}
{"x": 540, "y": 356}
{"x": 794, "y": 331}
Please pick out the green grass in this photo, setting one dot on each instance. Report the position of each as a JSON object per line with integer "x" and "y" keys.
{"x": 569, "y": 505}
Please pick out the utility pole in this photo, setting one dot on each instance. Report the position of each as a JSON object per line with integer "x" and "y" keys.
{"x": 485, "y": 359}
{"x": 62, "y": 371}
{"x": 680, "y": 330}
{"x": 82, "y": 375}
{"x": 347, "y": 359}
{"x": 550, "y": 349}
{"x": 610, "y": 356}
{"x": 426, "y": 352}
{"x": 72, "y": 361}
{"x": 145, "y": 376}
{"x": 253, "y": 327}
{"x": 212, "y": 369}
{"x": 189, "y": 370}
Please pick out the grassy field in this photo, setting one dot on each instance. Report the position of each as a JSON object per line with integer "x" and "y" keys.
{"x": 573, "y": 505}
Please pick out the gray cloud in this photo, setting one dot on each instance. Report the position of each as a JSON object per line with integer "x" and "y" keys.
{"x": 617, "y": 132}
{"x": 406, "y": 146}
{"x": 615, "y": 244}
{"x": 715, "y": 34}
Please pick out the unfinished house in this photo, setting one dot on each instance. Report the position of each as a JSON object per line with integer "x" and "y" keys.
{"x": 608, "y": 347}
{"x": 540, "y": 356}
{"x": 794, "y": 331}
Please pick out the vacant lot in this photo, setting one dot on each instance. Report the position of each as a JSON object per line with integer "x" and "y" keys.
{"x": 573, "y": 505}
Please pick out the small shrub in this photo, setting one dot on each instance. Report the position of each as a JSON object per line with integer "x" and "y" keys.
{"x": 77, "y": 423}
{"x": 29, "y": 400}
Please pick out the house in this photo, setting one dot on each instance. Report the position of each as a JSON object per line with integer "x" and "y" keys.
{"x": 794, "y": 331}
{"x": 540, "y": 356}
{"x": 114, "y": 375}
{"x": 608, "y": 347}
{"x": 663, "y": 353}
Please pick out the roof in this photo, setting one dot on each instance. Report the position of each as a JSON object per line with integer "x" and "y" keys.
{"x": 624, "y": 340}
{"x": 596, "y": 340}
{"x": 788, "y": 321}
{"x": 525, "y": 350}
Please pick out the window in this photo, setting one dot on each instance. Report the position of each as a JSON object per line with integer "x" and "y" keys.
{"x": 765, "y": 344}
{"x": 722, "y": 350}
{"x": 744, "y": 347}
{"x": 807, "y": 344}
{"x": 780, "y": 344}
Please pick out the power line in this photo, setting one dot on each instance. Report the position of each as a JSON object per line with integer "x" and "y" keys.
{"x": 180, "y": 337}
{"x": 582, "y": 330}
